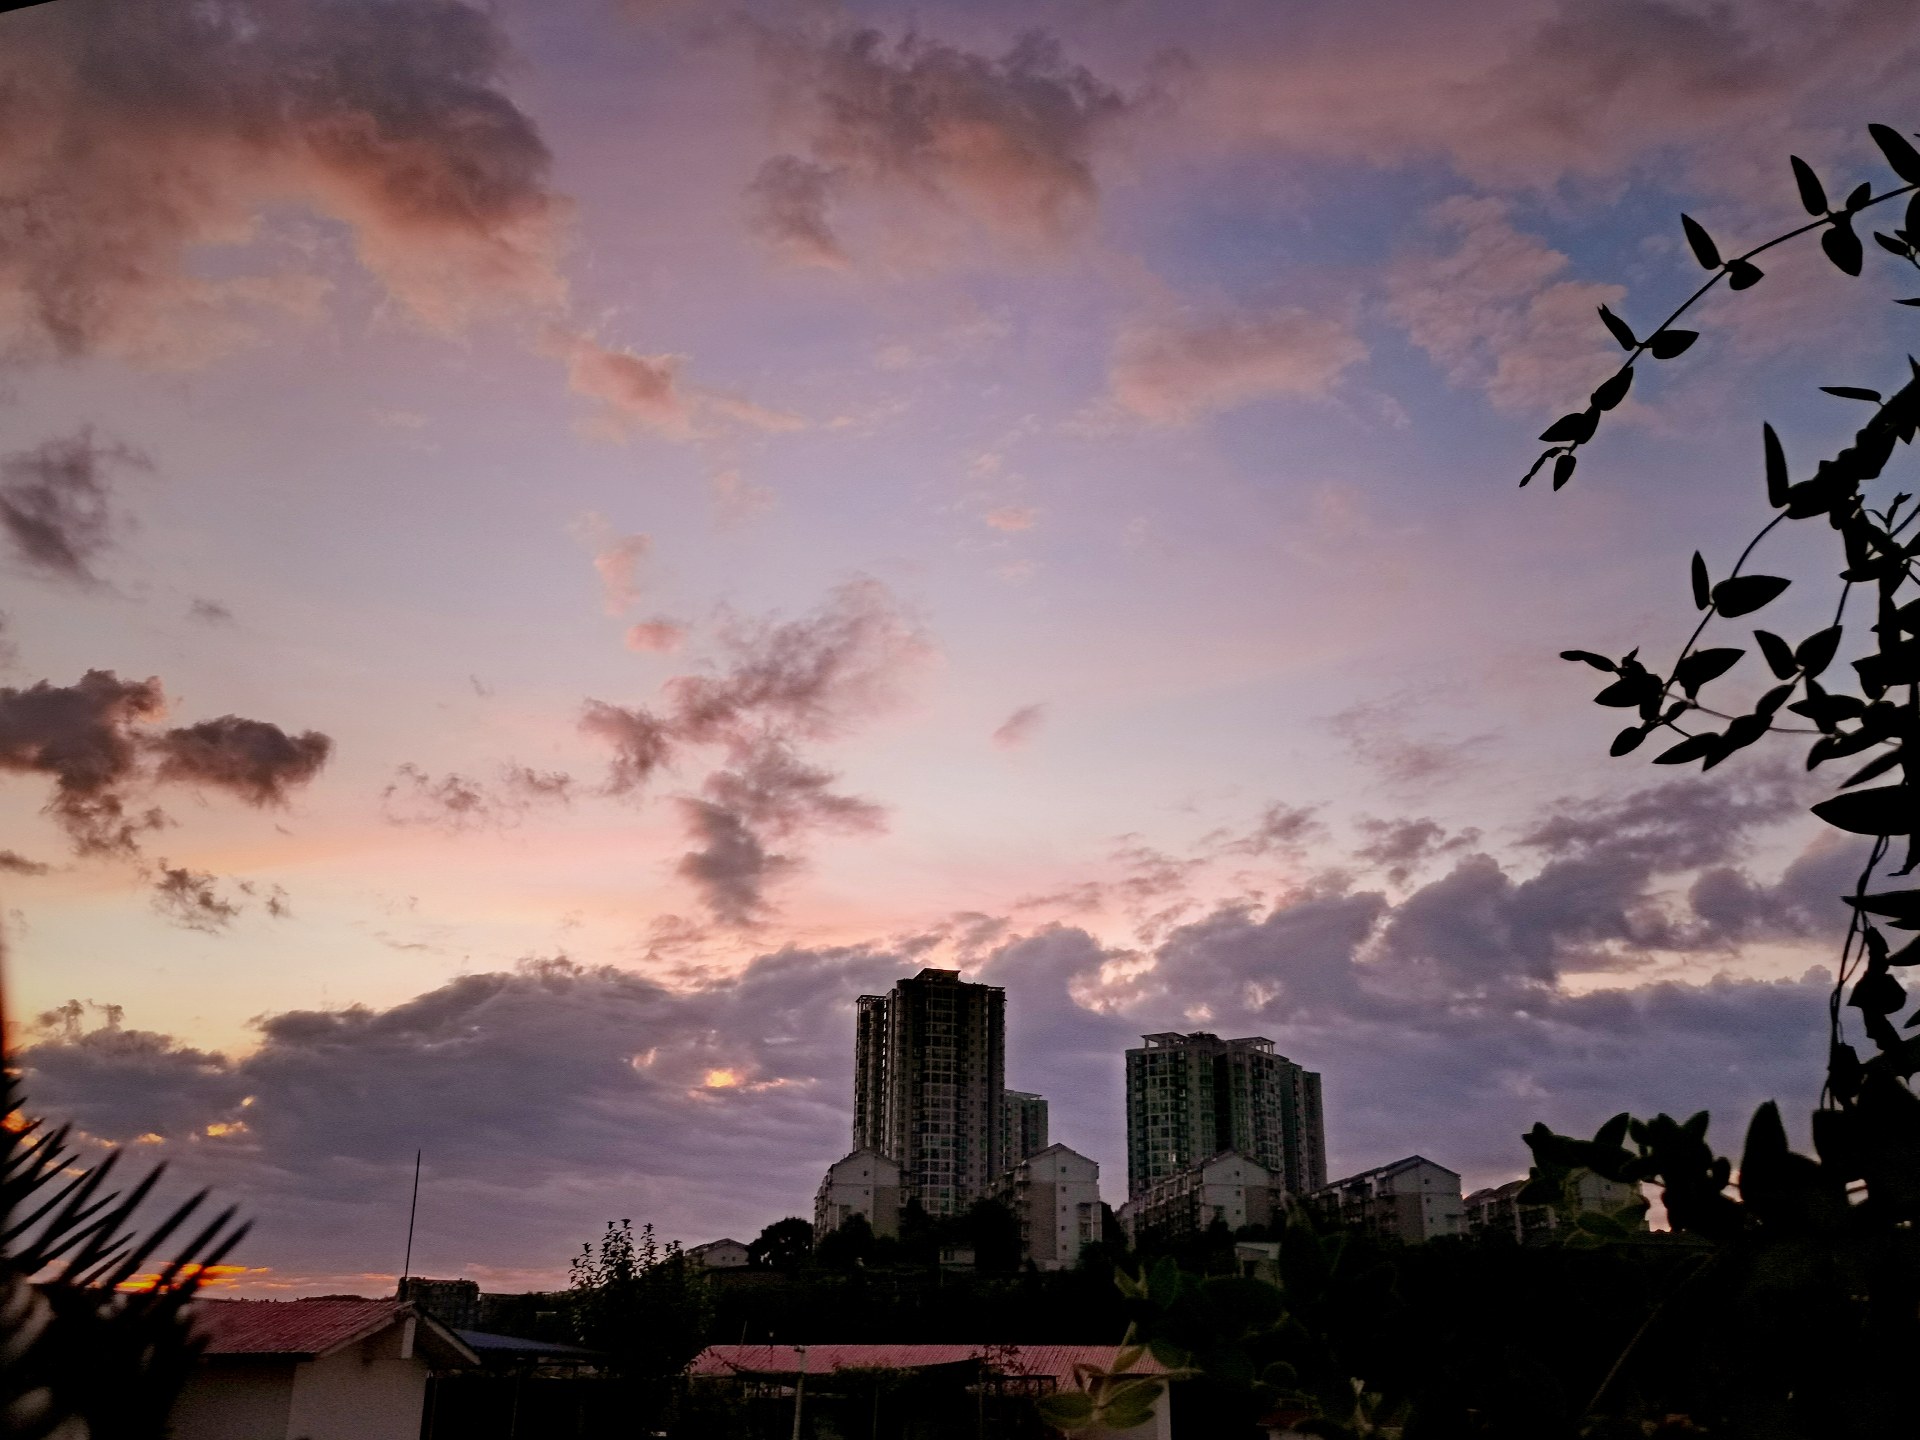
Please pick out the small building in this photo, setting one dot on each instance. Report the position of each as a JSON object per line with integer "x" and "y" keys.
{"x": 888, "y": 1390}
{"x": 1055, "y": 1195}
{"x": 1498, "y": 1211}
{"x": 454, "y": 1303}
{"x": 863, "y": 1183}
{"x": 1229, "y": 1187}
{"x": 313, "y": 1370}
{"x": 726, "y": 1254}
{"x": 1412, "y": 1200}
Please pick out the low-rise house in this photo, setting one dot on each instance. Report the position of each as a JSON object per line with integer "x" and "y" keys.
{"x": 1412, "y": 1200}
{"x": 1498, "y": 1210}
{"x": 726, "y": 1254}
{"x": 1055, "y": 1195}
{"x": 313, "y": 1370}
{"x": 1232, "y": 1188}
{"x": 864, "y": 1183}
{"x": 887, "y": 1390}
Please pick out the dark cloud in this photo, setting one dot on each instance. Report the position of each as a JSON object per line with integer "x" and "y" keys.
{"x": 192, "y": 898}
{"x": 14, "y": 863}
{"x": 670, "y": 1097}
{"x": 448, "y": 802}
{"x": 1380, "y": 735}
{"x": 89, "y": 739}
{"x": 673, "y": 1095}
{"x": 787, "y": 207}
{"x": 1281, "y": 827}
{"x": 642, "y": 743}
{"x": 927, "y": 131}
{"x": 455, "y": 802}
{"x": 253, "y": 759}
{"x": 209, "y": 612}
{"x": 768, "y": 793}
{"x": 780, "y": 683}
{"x": 83, "y": 737}
{"x": 56, "y": 504}
{"x": 812, "y": 678}
{"x": 731, "y": 865}
{"x": 136, "y": 135}
{"x": 1401, "y": 847}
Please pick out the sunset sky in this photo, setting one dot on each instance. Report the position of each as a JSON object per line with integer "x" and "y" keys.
{"x": 606, "y": 530}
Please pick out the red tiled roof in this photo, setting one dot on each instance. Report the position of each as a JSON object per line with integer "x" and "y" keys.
{"x": 290, "y": 1327}
{"x": 1057, "y": 1361}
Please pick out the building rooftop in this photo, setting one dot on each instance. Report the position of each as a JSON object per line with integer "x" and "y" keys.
{"x": 1056, "y": 1361}
{"x": 307, "y": 1329}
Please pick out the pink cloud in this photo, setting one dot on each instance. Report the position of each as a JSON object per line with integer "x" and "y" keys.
{"x": 1012, "y": 517}
{"x": 1494, "y": 310}
{"x": 656, "y": 637}
{"x": 616, "y": 559}
{"x": 1172, "y": 372}
{"x": 135, "y": 135}
{"x": 1519, "y": 92}
{"x": 1020, "y": 727}
{"x": 635, "y": 391}
{"x": 927, "y": 132}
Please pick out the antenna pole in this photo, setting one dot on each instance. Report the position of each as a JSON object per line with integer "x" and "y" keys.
{"x": 406, "y": 1266}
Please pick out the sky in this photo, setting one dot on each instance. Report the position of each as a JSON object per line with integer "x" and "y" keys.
{"x": 546, "y": 548}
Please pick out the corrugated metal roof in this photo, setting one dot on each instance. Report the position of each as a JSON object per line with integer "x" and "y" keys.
{"x": 1056, "y": 1361}
{"x": 294, "y": 1328}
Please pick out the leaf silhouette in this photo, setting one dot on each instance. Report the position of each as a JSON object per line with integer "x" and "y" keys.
{"x": 1599, "y": 662}
{"x": 1902, "y": 158}
{"x": 1669, "y": 343}
{"x": 1816, "y": 652}
{"x": 1704, "y": 665}
{"x": 1744, "y": 594}
{"x": 1577, "y": 427}
{"x": 1779, "y": 654}
{"x": 1812, "y": 196}
{"x": 1741, "y": 274}
{"x": 1704, "y": 250}
{"x": 1619, "y": 328}
{"x": 1776, "y": 468}
{"x": 1853, "y": 392}
{"x": 1889, "y": 810}
{"x": 1612, "y": 391}
{"x": 1843, "y": 246}
{"x": 1563, "y": 469}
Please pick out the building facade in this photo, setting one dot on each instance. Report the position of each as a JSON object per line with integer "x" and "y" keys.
{"x": 863, "y": 1183}
{"x": 1412, "y": 1200}
{"x": 1229, "y": 1187}
{"x": 929, "y": 1085}
{"x": 1190, "y": 1097}
{"x": 1023, "y": 1126}
{"x": 1497, "y": 1211}
{"x": 1055, "y": 1195}
{"x": 727, "y": 1254}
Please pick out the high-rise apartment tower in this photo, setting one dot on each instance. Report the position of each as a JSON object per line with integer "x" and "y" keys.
{"x": 929, "y": 1083}
{"x": 1190, "y": 1097}
{"x": 1023, "y": 1127}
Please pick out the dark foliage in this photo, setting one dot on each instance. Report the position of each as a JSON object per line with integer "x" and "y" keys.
{"x": 93, "y": 1323}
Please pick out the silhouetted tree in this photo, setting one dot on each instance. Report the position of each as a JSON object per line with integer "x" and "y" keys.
{"x": 784, "y": 1245}
{"x": 639, "y": 1301}
{"x": 95, "y": 1339}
